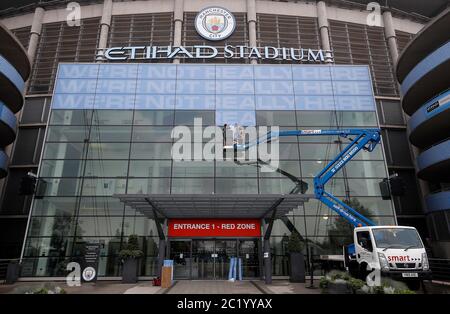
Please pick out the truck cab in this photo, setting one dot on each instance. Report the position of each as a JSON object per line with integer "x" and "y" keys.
{"x": 396, "y": 251}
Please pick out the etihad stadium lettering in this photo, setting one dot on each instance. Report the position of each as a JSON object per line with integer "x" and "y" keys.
{"x": 210, "y": 52}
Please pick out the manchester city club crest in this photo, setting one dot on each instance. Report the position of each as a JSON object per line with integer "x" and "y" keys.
{"x": 215, "y": 23}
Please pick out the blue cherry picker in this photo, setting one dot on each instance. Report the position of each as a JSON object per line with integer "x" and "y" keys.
{"x": 395, "y": 251}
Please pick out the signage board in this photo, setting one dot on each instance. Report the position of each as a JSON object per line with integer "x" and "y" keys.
{"x": 188, "y": 228}
{"x": 90, "y": 262}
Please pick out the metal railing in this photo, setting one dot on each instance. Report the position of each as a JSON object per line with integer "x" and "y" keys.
{"x": 440, "y": 268}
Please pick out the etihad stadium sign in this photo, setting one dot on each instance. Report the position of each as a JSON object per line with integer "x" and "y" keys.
{"x": 214, "y": 24}
{"x": 149, "y": 53}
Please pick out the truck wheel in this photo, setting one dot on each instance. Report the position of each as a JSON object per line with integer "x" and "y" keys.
{"x": 363, "y": 272}
{"x": 414, "y": 284}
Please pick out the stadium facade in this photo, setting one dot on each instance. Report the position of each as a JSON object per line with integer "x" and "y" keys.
{"x": 104, "y": 96}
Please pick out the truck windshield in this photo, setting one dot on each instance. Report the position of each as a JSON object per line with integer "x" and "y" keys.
{"x": 399, "y": 238}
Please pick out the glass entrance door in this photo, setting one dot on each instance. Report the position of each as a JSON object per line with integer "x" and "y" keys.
{"x": 210, "y": 259}
{"x": 248, "y": 252}
{"x": 225, "y": 249}
{"x": 180, "y": 253}
{"x": 203, "y": 255}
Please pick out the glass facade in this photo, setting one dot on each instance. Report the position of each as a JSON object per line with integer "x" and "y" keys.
{"x": 109, "y": 132}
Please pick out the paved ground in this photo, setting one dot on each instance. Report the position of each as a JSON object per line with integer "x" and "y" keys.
{"x": 286, "y": 287}
{"x": 104, "y": 287}
{"x": 213, "y": 287}
{"x": 192, "y": 287}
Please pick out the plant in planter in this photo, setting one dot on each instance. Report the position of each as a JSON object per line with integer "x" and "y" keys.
{"x": 129, "y": 256}
{"x": 297, "y": 260}
{"x": 342, "y": 283}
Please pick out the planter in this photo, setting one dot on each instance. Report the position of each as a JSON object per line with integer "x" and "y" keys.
{"x": 338, "y": 288}
{"x": 297, "y": 261}
{"x": 12, "y": 272}
{"x": 129, "y": 270}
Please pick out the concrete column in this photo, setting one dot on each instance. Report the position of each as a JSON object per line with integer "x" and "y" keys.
{"x": 267, "y": 262}
{"x": 323, "y": 29}
{"x": 161, "y": 255}
{"x": 389, "y": 33}
{"x": 251, "y": 21}
{"x": 105, "y": 24}
{"x": 178, "y": 16}
{"x": 35, "y": 33}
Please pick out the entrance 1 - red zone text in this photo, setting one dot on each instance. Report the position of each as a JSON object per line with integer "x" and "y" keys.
{"x": 188, "y": 228}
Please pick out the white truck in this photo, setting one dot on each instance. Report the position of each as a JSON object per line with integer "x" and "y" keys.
{"x": 396, "y": 252}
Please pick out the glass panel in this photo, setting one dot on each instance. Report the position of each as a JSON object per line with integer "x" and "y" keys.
{"x": 110, "y": 134}
{"x": 67, "y": 133}
{"x": 231, "y": 169}
{"x": 62, "y": 187}
{"x": 108, "y": 150}
{"x": 193, "y": 169}
{"x": 140, "y": 226}
{"x": 275, "y": 118}
{"x": 53, "y": 206}
{"x": 112, "y": 117}
{"x": 155, "y": 86}
{"x": 151, "y": 150}
{"x": 146, "y": 101}
{"x": 366, "y": 169}
{"x": 150, "y": 168}
{"x": 273, "y": 72}
{"x": 61, "y": 168}
{"x": 275, "y": 102}
{"x": 100, "y": 206}
{"x": 52, "y": 226}
{"x": 235, "y": 87}
{"x": 153, "y": 117}
{"x": 196, "y": 102}
{"x": 106, "y": 168}
{"x": 236, "y": 102}
{"x": 241, "y": 117}
{"x": 291, "y": 167}
{"x": 149, "y": 186}
{"x": 103, "y": 186}
{"x": 236, "y": 186}
{"x": 354, "y": 118}
{"x": 99, "y": 226}
{"x": 287, "y": 151}
{"x": 316, "y": 118}
{"x": 273, "y": 88}
{"x": 186, "y": 117}
{"x": 64, "y": 150}
{"x": 275, "y": 186}
{"x": 70, "y": 117}
{"x": 152, "y": 134}
{"x": 196, "y": 87}
{"x": 192, "y": 186}
{"x": 364, "y": 187}
{"x": 318, "y": 151}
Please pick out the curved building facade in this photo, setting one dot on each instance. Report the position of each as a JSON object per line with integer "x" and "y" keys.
{"x": 14, "y": 71}
{"x": 422, "y": 71}
{"x": 106, "y": 90}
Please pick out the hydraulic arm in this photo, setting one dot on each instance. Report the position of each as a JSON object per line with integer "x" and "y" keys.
{"x": 362, "y": 139}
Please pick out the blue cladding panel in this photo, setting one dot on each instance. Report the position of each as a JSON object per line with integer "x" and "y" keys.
{"x": 11, "y": 74}
{"x": 244, "y": 118}
{"x": 220, "y": 87}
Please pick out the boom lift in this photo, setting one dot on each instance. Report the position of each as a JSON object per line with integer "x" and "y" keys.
{"x": 395, "y": 251}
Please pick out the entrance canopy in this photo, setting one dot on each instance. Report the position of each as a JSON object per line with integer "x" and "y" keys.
{"x": 213, "y": 205}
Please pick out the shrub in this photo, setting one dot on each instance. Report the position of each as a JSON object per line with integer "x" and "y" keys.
{"x": 131, "y": 249}
{"x": 295, "y": 244}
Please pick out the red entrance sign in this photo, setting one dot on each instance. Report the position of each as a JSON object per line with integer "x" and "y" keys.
{"x": 188, "y": 228}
